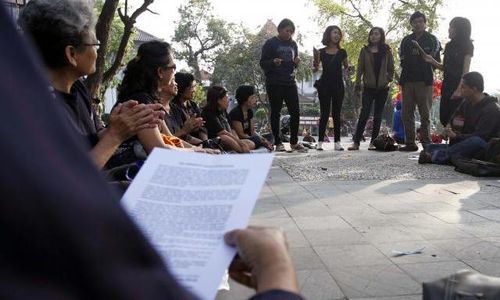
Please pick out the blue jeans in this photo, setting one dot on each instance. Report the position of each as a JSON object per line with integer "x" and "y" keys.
{"x": 442, "y": 154}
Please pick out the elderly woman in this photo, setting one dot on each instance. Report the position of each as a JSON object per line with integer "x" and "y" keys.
{"x": 63, "y": 33}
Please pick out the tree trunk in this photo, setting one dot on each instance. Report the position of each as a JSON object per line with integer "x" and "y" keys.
{"x": 102, "y": 33}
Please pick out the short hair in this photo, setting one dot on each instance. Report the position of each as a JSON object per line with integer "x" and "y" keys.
{"x": 285, "y": 23}
{"x": 462, "y": 28}
{"x": 184, "y": 81}
{"x": 243, "y": 92}
{"x": 474, "y": 80}
{"x": 326, "y": 35}
{"x": 53, "y": 25}
{"x": 417, "y": 15}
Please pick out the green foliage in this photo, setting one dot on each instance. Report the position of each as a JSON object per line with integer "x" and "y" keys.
{"x": 239, "y": 64}
{"x": 200, "y": 34}
{"x": 260, "y": 114}
{"x": 200, "y": 96}
{"x": 310, "y": 110}
{"x": 115, "y": 35}
{"x": 355, "y": 18}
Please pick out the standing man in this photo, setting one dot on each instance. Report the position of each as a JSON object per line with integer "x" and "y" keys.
{"x": 417, "y": 79}
{"x": 279, "y": 59}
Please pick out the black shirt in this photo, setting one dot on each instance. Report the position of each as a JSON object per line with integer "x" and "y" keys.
{"x": 287, "y": 51}
{"x": 377, "y": 63}
{"x": 215, "y": 122}
{"x": 80, "y": 113}
{"x": 174, "y": 119}
{"x": 414, "y": 68}
{"x": 331, "y": 77}
{"x": 236, "y": 114}
{"x": 454, "y": 54}
{"x": 131, "y": 150}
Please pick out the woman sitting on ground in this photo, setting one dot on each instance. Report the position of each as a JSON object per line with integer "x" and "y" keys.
{"x": 217, "y": 124}
{"x": 242, "y": 117}
{"x": 146, "y": 75}
{"x": 186, "y": 86}
{"x": 173, "y": 118}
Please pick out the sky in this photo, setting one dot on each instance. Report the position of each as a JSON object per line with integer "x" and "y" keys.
{"x": 253, "y": 14}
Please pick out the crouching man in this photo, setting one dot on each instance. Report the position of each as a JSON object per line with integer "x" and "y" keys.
{"x": 481, "y": 122}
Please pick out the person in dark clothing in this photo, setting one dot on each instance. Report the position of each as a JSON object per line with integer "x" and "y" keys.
{"x": 481, "y": 115}
{"x": 144, "y": 78}
{"x": 376, "y": 66}
{"x": 417, "y": 79}
{"x": 331, "y": 87}
{"x": 174, "y": 122}
{"x": 69, "y": 52}
{"x": 241, "y": 117}
{"x": 217, "y": 122}
{"x": 63, "y": 233}
{"x": 186, "y": 86}
{"x": 457, "y": 59}
{"x": 279, "y": 59}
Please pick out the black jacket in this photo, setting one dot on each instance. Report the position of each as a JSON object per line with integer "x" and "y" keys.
{"x": 414, "y": 68}
{"x": 482, "y": 119}
{"x": 284, "y": 73}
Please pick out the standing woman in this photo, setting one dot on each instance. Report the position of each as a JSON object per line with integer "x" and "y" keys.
{"x": 457, "y": 58}
{"x": 376, "y": 66}
{"x": 331, "y": 83}
{"x": 280, "y": 57}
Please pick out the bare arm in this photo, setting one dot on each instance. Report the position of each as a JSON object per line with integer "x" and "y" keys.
{"x": 125, "y": 121}
{"x": 238, "y": 128}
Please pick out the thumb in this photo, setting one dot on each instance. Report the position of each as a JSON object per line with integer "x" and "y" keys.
{"x": 231, "y": 237}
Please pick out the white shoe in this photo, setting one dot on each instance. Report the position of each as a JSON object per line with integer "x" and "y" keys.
{"x": 338, "y": 147}
{"x": 320, "y": 146}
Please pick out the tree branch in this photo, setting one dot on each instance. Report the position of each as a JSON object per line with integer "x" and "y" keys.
{"x": 127, "y": 32}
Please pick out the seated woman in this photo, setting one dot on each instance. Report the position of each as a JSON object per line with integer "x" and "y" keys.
{"x": 191, "y": 112}
{"x": 64, "y": 35}
{"x": 217, "y": 124}
{"x": 173, "y": 118}
{"x": 242, "y": 117}
{"x": 146, "y": 75}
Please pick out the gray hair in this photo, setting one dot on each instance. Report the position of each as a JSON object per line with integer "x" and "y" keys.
{"x": 54, "y": 24}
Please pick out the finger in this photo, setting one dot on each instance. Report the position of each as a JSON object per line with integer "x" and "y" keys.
{"x": 231, "y": 237}
{"x": 242, "y": 278}
{"x": 130, "y": 103}
{"x": 117, "y": 109}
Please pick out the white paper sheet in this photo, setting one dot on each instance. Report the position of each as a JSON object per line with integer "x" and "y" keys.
{"x": 185, "y": 202}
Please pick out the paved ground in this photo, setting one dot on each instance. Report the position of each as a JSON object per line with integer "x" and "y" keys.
{"x": 344, "y": 214}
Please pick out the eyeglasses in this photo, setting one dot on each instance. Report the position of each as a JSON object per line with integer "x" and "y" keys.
{"x": 95, "y": 45}
{"x": 173, "y": 67}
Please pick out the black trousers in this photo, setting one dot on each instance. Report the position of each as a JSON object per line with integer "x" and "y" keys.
{"x": 277, "y": 94}
{"x": 330, "y": 99}
{"x": 370, "y": 96}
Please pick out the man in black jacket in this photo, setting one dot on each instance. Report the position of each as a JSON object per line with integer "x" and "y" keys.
{"x": 481, "y": 114}
{"x": 417, "y": 79}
